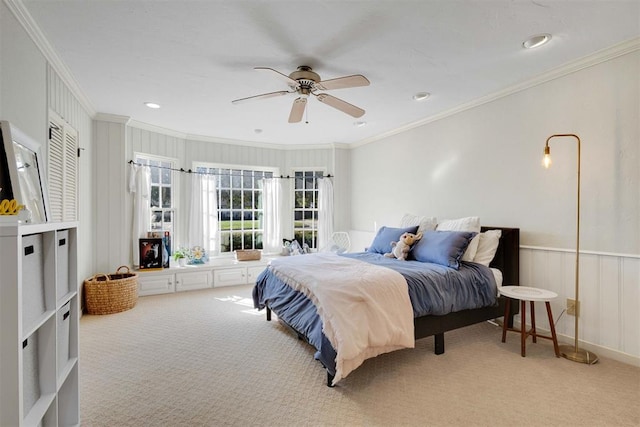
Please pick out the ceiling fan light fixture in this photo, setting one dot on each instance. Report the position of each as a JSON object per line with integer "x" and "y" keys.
{"x": 152, "y": 105}
{"x": 536, "y": 41}
{"x": 421, "y": 96}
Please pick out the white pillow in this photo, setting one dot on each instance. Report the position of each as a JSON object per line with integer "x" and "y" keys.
{"x": 487, "y": 247}
{"x": 424, "y": 223}
{"x": 470, "y": 223}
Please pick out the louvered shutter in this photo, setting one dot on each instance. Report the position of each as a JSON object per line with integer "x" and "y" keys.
{"x": 63, "y": 172}
{"x": 56, "y": 171}
{"x": 70, "y": 191}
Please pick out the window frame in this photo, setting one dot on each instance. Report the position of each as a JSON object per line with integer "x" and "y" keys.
{"x": 174, "y": 191}
{"x": 318, "y": 172}
{"x": 241, "y": 168}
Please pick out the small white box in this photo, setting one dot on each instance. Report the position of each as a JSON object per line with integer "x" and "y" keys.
{"x": 63, "y": 318}
{"x": 30, "y": 372}
{"x": 62, "y": 267}
{"x": 33, "y": 297}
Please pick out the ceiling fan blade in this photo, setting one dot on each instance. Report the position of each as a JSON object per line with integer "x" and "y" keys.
{"x": 343, "y": 82}
{"x": 288, "y": 80}
{"x": 297, "y": 110}
{"x": 341, "y": 105}
{"x": 263, "y": 96}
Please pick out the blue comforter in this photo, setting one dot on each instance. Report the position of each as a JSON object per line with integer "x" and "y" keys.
{"x": 433, "y": 290}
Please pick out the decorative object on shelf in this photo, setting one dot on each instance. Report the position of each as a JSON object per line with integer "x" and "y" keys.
{"x": 111, "y": 293}
{"x": 166, "y": 249}
{"x": 248, "y": 255}
{"x": 181, "y": 255}
{"x": 150, "y": 254}
{"x": 573, "y": 353}
{"x": 10, "y": 207}
{"x": 198, "y": 255}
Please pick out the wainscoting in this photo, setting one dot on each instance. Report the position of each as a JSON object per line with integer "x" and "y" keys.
{"x": 609, "y": 297}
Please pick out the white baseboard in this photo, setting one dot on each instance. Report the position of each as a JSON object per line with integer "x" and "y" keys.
{"x": 600, "y": 351}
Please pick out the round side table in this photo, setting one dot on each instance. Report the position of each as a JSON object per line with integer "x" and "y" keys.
{"x": 524, "y": 294}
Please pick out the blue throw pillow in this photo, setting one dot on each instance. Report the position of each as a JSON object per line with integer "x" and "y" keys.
{"x": 382, "y": 242}
{"x": 442, "y": 247}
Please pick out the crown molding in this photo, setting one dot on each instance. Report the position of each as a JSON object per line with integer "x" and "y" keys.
{"x": 193, "y": 137}
{"x": 112, "y": 118}
{"x": 588, "y": 61}
{"x": 33, "y": 30}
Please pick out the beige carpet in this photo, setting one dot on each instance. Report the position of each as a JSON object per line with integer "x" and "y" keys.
{"x": 205, "y": 358}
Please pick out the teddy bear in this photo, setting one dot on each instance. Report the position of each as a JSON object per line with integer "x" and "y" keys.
{"x": 400, "y": 250}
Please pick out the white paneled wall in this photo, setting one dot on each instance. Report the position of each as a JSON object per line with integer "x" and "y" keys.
{"x": 62, "y": 101}
{"x": 609, "y": 295}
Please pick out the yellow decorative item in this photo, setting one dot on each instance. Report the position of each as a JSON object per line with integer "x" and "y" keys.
{"x": 10, "y": 207}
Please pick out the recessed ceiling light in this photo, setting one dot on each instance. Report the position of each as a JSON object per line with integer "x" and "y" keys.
{"x": 257, "y": 130}
{"x": 359, "y": 124}
{"x": 536, "y": 41}
{"x": 152, "y": 105}
{"x": 421, "y": 96}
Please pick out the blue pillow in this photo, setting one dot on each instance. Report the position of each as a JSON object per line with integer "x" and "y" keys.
{"x": 442, "y": 247}
{"x": 382, "y": 242}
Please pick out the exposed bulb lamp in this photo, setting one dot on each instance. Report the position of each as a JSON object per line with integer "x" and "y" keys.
{"x": 573, "y": 353}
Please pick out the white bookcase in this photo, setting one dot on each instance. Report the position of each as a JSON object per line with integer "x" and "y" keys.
{"x": 39, "y": 322}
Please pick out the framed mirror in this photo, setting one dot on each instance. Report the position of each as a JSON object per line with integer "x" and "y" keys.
{"x": 22, "y": 175}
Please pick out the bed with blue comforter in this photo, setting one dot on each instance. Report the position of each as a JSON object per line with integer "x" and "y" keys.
{"x": 442, "y": 298}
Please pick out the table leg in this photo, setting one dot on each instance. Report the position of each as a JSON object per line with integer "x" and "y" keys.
{"x": 504, "y": 322}
{"x": 523, "y": 327}
{"x": 533, "y": 321}
{"x": 553, "y": 329}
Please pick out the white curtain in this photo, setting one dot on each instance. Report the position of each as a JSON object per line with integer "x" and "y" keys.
{"x": 140, "y": 185}
{"x": 325, "y": 213}
{"x": 271, "y": 204}
{"x": 203, "y": 215}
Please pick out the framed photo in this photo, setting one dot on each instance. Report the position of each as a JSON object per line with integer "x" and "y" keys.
{"x": 22, "y": 176}
{"x": 151, "y": 254}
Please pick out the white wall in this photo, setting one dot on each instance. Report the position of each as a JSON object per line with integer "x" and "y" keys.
{"x": 486, "y": 161}
{"x": 23, "y": 94}
{"x": 29, "y": 88}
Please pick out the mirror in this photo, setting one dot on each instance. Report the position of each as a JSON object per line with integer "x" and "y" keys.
{"x": 25, "y": 173}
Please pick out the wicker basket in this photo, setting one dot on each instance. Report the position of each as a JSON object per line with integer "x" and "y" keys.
{"x": 111, "y": 293}
{"x": 248, "y": 255}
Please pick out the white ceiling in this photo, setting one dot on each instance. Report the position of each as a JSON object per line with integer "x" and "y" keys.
{"x": 194, "y": 57}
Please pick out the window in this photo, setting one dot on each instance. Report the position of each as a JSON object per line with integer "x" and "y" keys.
{"x": 62, "y": 170}
{"x": 305, "y": 209}
{"x": 239, "y": 205}
{"x": 162, "y": 210}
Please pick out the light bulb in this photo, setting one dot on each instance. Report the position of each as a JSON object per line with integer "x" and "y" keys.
{"x": 546, "y": 161}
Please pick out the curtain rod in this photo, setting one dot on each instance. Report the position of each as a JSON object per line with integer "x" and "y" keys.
{"x": 131, "y": 162}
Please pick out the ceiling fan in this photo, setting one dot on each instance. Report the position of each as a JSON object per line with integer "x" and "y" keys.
{"x": 306, "y": 82}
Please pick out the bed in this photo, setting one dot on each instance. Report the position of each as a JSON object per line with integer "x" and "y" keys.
{"x": 303, "y": 312}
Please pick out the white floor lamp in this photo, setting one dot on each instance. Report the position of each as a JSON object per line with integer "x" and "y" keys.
{"x": 573, "y": 353}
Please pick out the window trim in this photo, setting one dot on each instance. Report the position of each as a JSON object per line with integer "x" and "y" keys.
{"x": 211, "y": 165}
{"x": 292, "y": 195}
{"x": 175, "y": 190}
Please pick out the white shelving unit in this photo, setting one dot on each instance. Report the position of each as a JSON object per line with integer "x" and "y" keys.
{"x": 39, "y": 322}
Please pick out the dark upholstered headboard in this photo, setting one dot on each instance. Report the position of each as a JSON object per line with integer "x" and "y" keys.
{"x": 507, "y": 257}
